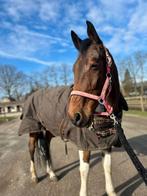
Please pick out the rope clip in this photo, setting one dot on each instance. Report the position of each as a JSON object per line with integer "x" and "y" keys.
{"x": 113, "y": 117}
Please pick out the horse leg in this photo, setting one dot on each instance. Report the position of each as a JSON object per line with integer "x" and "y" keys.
{"x": 32, "y": 144}
{"x": 49, "y": 169}
{"x": 84, "y": 170}
{"x": 107, "y": 171}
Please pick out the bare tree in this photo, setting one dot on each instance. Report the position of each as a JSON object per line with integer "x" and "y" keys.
{"x": 134, "y": 70}
{"x": 135, "y": 64}
{"x": 140, "y": 59}
{"x": 53, "y": 77}
{"x": 44, "y": 77}
{"x": 64, "y": 74}
{"x": 12, "y": 81}
{"x": 49, "y": 76}
{"x": 122, "y": 68}
{"x": 34, "y": 81}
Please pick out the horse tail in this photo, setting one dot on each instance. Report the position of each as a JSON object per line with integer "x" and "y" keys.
{"x": 42, "y": 148}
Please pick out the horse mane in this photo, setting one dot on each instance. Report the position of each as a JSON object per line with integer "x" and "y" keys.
{"x": 116, "y": 98}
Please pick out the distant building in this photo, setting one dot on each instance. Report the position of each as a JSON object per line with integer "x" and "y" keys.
{"x": 144, "y": 87}
{"x": 10, "y": 106}
{"x": 138, "y": 89}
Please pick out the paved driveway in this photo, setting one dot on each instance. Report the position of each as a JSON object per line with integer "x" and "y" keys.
{"x": 14, "y": 165}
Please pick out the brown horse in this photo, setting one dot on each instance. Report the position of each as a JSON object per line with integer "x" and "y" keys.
{"x": 91, "y": 70}
{"x": 70, "y": 112}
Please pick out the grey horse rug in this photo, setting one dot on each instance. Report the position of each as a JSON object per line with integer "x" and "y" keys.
{"x": 46, "y": 109}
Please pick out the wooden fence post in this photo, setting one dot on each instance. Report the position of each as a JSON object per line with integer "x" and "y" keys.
{"x": 142, "y": 105}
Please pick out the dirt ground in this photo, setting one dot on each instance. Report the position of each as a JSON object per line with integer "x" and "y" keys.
{"x": 14, "y": 165}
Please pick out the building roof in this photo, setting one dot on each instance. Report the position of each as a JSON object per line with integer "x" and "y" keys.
{"x": 12, "y": 103}
{"x": 7, "y": 100}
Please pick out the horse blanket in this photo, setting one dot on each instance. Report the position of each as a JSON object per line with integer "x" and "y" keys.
{"x": 46, "y": 109}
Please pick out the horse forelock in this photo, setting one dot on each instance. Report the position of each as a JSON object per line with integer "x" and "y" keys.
{"x": 85, "y": 45}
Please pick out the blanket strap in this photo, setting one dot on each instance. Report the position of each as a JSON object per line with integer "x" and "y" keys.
{"x": 138, "y": 165}
{"x": 61, "y": 128}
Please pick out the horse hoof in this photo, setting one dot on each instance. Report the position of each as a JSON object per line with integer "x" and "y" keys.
{"x": 35, "y": 180}
{"x": 54, "y": 178}
{"x": 112, "y": 194}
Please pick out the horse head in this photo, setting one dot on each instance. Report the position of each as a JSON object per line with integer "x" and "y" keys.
{"x": 90, "y": 72}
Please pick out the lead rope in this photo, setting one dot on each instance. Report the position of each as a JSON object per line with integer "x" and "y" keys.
{"x": 138, "y": 165}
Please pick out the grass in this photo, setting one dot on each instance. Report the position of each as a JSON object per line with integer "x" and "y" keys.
{"x": 6, "y": 119}
{"x": 136, "y": 112}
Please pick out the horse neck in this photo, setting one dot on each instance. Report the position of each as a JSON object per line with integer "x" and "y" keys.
{"x": 114, "y": 95}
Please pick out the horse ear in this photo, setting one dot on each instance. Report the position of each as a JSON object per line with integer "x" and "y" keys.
{"x": 92, "y": 33}
{"x": 76, "y": 40}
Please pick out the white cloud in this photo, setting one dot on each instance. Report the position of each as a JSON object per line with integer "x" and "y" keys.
{"x": 138, "y": 19}
{"x": 17, "y": 9}
{"x": 79, "y": 29}
{"x": 49, "y": 10}
{"x": 20, "y": 40}
{"x": 125, "y": 43}
{"x": 25, "y": 30}
{"x": 109, "y": 30}
{"x": 21, "y": 43}
{"x": 108, "y": 12}
{"x": 115, "y": 44}
{"x": 73, "y": 12}
{"x": 95, "y": 13}
{"x": 31, "y": 59}
{"x": 122, "y": 23}
{"x": 114, "y": 9}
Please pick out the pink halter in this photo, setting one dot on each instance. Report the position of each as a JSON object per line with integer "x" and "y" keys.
{"x": 102, "y": 98}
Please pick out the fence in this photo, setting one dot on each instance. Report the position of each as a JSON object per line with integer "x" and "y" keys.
{"x": 137, "y": 103}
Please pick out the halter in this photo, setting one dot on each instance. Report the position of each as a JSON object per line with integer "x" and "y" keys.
{"x": 107, "y": 86}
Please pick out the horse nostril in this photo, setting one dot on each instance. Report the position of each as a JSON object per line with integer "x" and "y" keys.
{"x": 78, "y": 118}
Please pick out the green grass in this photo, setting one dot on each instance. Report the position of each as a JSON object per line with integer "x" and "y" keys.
{"x": 6, "y": 119}
{"x": 136, "y": 112}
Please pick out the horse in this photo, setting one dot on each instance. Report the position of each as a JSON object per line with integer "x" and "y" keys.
{"x": 95, "y": 73}
{"x": 77, "y": 113}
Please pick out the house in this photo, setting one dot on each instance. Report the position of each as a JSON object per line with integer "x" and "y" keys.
{"x": 10, "y": 106}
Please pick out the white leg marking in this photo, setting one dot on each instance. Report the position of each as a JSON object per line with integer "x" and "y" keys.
{"x": 33, "y": 171}
{"x": 84, "y": 170}
{"x": 50, "y": 171}
{"x": 107, "y": 171}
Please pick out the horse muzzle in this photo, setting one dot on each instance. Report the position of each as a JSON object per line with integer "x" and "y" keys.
{"x": 80, "y": 120}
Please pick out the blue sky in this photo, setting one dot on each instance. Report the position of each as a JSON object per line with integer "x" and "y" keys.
{"x": 36, "y": 33}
